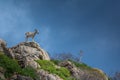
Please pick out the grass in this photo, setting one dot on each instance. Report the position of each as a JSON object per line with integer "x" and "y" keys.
{"x": 11, "y": 66}
{"x": 29, "y": 71}
{"x": 81, "y": 65}
{"x": 56, "y": 61}
{"x": 50, "y": 67}
{"x": 77, "y": 64}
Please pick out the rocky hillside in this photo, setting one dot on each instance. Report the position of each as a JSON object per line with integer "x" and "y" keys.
{"x": 28, "y": 61}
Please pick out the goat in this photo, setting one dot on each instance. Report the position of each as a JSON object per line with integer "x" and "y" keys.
{"x": 31, "y": 34}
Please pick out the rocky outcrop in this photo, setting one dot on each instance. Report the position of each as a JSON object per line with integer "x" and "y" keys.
{"x": 84, "y": 74}
{"x": 27, "y": 52}
{"x": 44, "y": 75}
{"x": 75, "y": 72}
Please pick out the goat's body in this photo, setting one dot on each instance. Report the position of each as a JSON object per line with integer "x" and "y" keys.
{"x": 31, "y": 35}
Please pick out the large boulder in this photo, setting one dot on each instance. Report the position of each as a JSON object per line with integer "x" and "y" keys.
{"x": 27, "y": 52}
{"x": 75, "y": 72}
{"x": 84, "y": 74}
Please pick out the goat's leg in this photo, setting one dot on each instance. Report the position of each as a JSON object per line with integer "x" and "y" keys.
{"x": 33, "y": 39}
{"x": 26, "y": 39}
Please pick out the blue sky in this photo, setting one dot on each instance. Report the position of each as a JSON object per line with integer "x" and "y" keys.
{"x": 67, "y": 26}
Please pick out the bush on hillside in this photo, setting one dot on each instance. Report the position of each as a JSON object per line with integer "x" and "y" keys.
{"x": 11, "y": 66}
{"x": 50, "y": 67}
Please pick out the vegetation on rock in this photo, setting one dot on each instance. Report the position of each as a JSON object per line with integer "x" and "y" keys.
{"x": 61, "y": 67}
{"x": 11, "y": 67}
{"x": 50, "y": 67}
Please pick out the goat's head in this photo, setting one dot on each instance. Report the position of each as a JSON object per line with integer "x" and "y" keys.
{"x": 36, "y": 31}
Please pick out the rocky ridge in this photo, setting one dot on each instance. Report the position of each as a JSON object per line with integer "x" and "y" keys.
{"x": 26, "y": 53}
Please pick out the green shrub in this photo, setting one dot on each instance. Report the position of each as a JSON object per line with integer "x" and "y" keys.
{"x": 9, "y": 65}
{"x": 56, "y": 61}
{"x": 50, "y": 67}
{"x": 80, "y": 65}
{"x": 63, "y": 72}
{"x": 77, "y": 64}
{"x": 29, "y": 71}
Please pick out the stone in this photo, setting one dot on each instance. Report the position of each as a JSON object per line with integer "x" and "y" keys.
{"x": 20, "y": 77}
{"x": 2, "y": 71}
{"x": 3, "y": 45}
{"x": 44, "y": 75}
{"x": 75, "y": 72}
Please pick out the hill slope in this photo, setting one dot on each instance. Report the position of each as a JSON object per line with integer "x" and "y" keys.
{"x": 28, "y": 61}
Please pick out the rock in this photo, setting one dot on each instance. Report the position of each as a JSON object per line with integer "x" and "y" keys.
{"x": 75, "y": 72}
{"x": 20, "y": 77}
{"x": 84, "y": 74}
{"x": 2, "y": 45}
{"x": 44, "y": 75}
{"x": 4, "y": 49}
{"x": 2, "y": 71}
{"x": 32, "y": 63}
{"x": 27, "y": 52}
{"x": 9, "y": 53}
{"x": 95, "y": 73}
